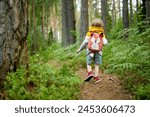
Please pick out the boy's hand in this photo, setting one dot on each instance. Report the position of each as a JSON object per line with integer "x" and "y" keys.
{"x": 77, "y": 50}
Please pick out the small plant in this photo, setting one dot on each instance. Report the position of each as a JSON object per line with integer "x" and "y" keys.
{"x": 43, "y": 81}
{"x": 130, "y": 59}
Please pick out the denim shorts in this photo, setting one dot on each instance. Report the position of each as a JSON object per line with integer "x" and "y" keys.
{"x": 97, "y": 59}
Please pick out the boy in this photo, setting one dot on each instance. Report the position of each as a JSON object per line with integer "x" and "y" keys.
{"x": 95, "y": 31}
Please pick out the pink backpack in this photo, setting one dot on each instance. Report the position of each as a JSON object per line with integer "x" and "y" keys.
{"x": 95, "y": 43}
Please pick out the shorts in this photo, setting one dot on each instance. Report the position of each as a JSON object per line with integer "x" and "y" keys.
{"x": 97, "y": 58}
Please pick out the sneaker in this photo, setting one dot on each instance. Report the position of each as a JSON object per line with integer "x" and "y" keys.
{"x": 89, "y": 77}
{"x": 97, "y": 79}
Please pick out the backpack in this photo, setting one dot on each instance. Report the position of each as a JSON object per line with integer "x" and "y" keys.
{"x": 95, "y": 42}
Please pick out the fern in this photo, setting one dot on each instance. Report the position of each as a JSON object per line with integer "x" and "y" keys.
{"x": 125, "y": 66}
{"x": 131, "y": 60}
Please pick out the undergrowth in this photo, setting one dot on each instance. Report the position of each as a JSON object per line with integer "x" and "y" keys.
{"x": 42, "y": 80}
{"x": 130, "y": 59}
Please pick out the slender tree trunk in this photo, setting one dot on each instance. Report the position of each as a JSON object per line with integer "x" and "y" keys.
{"x": 137, "y": 9}
{"x": 71, "y": 22}
{"x": 143, "y": 9}
{"x": 84, "y": 19}
{"x": 137, "y": 6}
{"x": 131, "y": 13}
{"x": 104, "y": 10}
{"x": 125, "y": 17}
{"x": 114, "y": 14}
{"x": 13, "y": 35}
{"x": 47, "y": 22}
{"x": 34, "y": 42}
{"x": 65, "y": 35}
{"x": 43, "y": 19}
{"x": 148, "y": 10}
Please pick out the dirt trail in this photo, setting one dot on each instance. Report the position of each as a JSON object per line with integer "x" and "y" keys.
{"x": 110, "y": 88}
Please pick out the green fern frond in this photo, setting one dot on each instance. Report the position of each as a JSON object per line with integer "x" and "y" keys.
{"x": 125, "y": 66}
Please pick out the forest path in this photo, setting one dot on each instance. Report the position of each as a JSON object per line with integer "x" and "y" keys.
{"x": 110, "y": 88}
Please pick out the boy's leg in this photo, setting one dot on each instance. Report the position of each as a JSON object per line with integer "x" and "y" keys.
{"x": 96, "y": 77}
{"x": 89, "y": 68}
{"x": 90, "y": 74}
{"x": 98, "y": 61}
{"x": 96, "y": 70}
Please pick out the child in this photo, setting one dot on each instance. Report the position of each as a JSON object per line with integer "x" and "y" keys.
{"x": 95, "y": 30}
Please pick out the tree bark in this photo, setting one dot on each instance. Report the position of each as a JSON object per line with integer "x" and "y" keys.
{"x": 131, "y": 13}
{"x": 148, "y": 10}
{"x": 114, "y": 14}
{"x": 84, "y": 21}
{"x": 125, "y": 18}
{"x": 104, "y": 10}
{"x": 125, "y": 14}
{"x": 68, "y": 22}
{"x": 13, "y": 35}
{"x": 137, "y": 6}
{"x": 34, "y": 40}
{"x": 43, "y": 19}
{"x": 65, "y": 35}
{"x": 71, "y": 22}
{"x": 143, "y": 9}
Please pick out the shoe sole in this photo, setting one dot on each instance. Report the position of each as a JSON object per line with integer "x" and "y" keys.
{"x": 98, "y": 81}
{"x": 88, "y": 78}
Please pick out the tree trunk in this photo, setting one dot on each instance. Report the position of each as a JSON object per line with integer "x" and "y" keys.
{"x": 65, "y": 35}
{"x": 143, "y": 9}
{"x": 68, "y": 22}
{"x": 131, "y": 13}
{"x": 137, "y": 6}
{"x": 104, "y": 10}
{"x": 114, "y": 14}
{"x": 148, "y": 10}
{"x": 125, "y": 14}
{"x": 71, "y": 22}
{"x": 84, "y": 19}
{"x": 43, "y": 18}
{"x": 125, "y": 17}
{"x": 34, "y": 41}
{"x": 13, "y": 35}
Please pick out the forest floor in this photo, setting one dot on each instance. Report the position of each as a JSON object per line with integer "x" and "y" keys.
{"x": 110, "y": 88}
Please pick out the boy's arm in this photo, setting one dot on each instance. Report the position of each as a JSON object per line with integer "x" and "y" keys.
{"x": 84, "y": 44}
{"x": 105, "y": 42}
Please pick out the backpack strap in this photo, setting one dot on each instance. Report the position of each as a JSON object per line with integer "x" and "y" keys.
{"x": 101, "y": 35}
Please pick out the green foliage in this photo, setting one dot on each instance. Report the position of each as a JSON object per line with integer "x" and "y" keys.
{"x": 130, "y": 59}
{"x": 116, "y": 30}
{"x": 70, "y": 56}
{"x": 43, "y": 80}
